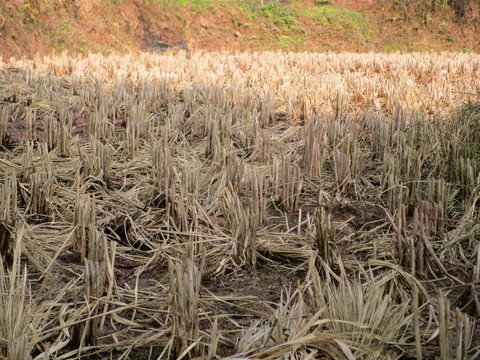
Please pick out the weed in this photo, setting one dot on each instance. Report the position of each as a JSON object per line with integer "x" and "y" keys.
{"x": 204, "y": 4}
{"x": 234, "y": 21}
{"x": 279, "y": 14}
{"x": 248, "y": 9}
{"x": 341, "y": 19}
{"x": 29, "y": 13}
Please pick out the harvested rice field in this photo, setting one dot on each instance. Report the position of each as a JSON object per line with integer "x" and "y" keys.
{"x": 242, "y": 206}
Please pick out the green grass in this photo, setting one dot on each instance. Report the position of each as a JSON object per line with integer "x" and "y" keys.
{"x": 205, "y": 4}
{"x": 341, "y": 19}
{"x": 289, "y": 43}
{"x": 66, "y": 30}
{"x": 329, "y": 15}
{"x": 285, "y": 22}
{"x": 247, "y": 8}
{"x": 279, "y": 14}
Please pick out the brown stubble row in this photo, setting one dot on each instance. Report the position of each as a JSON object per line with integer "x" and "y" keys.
{"x": 129, "y": 186}
{"x": 295, "y": 84}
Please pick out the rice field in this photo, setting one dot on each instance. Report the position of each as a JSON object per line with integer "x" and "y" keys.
{"x": 241, "y": 206}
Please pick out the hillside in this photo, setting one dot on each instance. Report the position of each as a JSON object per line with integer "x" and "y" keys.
{"x": 129, "y": 26}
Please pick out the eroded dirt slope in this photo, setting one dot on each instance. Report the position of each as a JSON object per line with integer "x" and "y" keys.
{"x": 28, "y": 27}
